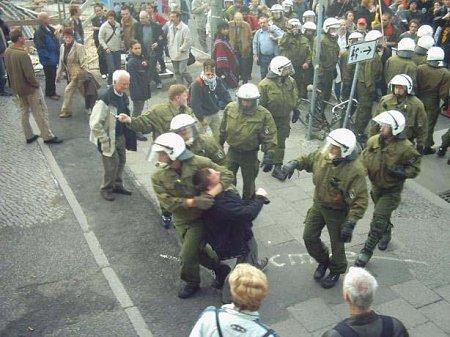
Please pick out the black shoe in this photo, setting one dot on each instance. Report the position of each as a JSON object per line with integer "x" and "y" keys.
{"x": 383, "y": 243}
{"x": 428, "y": 150}
{"x": 262, "y": 264}
{"x": 221, "y": 274}
{"x": 107, "y": 195}
{"x": 278, "y": 172}
{"x": 441, "y": 151}
{"x": 167, "y": 221}
{"x": 320, "y": 271}
{"x": 54, "y": 140}
{"x": 141, "y": 137}
{"x": 32, "y": 139}
{"x": 121, "y": 190}
{"x": 329, "y": 281}
{"x": 187, "y": 291}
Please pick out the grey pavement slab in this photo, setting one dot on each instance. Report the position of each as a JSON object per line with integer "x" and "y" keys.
{"x": 428, "y": 329}
{"x": 439, "y": 313}
{"x": 290, "y": 328}
{"x": 415, "y": 293}
{"x": 444, "y": 292}
{"x": 403, "y": 311}
{"x": 313, "y": 314}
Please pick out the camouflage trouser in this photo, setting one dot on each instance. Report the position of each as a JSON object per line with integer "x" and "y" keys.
{"x": 433, "y": 109}
{"x": 386, "y": 201}
{"x": 301, "y": 79}
{"x": 317, "y": 218}
{"x": 283, "y": 130}
{"x": 249, "y": 164}
{"x": 194, "y": 252}
{"x": 364, "y": 110}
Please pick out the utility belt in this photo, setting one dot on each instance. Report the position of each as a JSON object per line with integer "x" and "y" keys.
{"x": 239, "y": 151}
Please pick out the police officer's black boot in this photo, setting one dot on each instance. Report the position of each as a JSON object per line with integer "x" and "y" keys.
{"x": 330, "y": 281}
{"x": 277, "y": 172}
{"x": 320, "y": 271}
{"x": 383, "y": 244}
{"x": 187, "y": 291}
{"x": 428, "y": 150}
{"x": 221, "y": 274}
{"x": 166, "y": 219}
{"x": 441, "y": 151}
{"x": 362, "y": 259}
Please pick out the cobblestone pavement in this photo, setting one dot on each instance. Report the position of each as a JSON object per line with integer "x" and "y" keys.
{"x": 28, "y": 191}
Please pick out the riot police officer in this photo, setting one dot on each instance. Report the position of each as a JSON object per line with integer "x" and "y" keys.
{"x": 200, "y": 144}
{"x": 277, "y": 16}
{"x": 247, "y": 126}
{"x": 175, "y": 191}
{"x": 401, "y": 63}
{"x": 279, "y": 96}
{"x": 340, "y": 200}
{"x": 420, "y": 53}
{"x": 389, "y": 158}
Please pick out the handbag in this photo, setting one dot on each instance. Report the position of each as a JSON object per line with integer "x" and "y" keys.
{"x": 191, "y": 59}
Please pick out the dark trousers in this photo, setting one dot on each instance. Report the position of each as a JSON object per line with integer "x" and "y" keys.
{"x": 160, "y": 59}
{"x": 50, "y": 78}
{"x": 114, "y": 63}
{"x": 153, "y": 59}
{"x": 244, "y": 66}
{"x": 264, "y": 61}
{"x": 2, "y": 75}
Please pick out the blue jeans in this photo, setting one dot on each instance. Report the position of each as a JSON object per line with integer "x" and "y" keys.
{"x": 113, "y": 62}
{"x": 264, "y": 61}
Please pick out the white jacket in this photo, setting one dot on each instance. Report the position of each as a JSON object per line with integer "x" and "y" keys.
{"x": 233, "y": 323}
{"x": 179, "y": 42}
{"x": 103, "y": 127}
{"x": 115, "y": 43}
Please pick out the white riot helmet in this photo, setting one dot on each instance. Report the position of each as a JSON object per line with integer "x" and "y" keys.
{"x": 404, "y": 80}
{"x": 184, "y": 125}
{"x": 281, "y": 66}
{"x": 309, "y": 16}
{"x": 345, "y": 139}
{"x": 425, "y": 30}
{"x": 373, "y": 35}
{"x": 277, "y": 11}
{"x": 248, "y": 92}
{"x": 173, "y": 145}
{"x": 406, "y": 47}
{"x": 423, "y": 44}
{"x": 355, "y": 37}
{"x": 294, "y": 26}
{"x": 393, "y": 118}
{"x": 311, "y": 26}
{"x": 331, "y": 26}
{"x": 287, "y": 6}
{"x": 435, "y": 56}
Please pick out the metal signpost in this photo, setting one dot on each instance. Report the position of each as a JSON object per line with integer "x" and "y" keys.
{"x": 358, "y": 53}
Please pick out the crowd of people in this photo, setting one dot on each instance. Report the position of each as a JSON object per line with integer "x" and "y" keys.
{"x": 202, "y": 137}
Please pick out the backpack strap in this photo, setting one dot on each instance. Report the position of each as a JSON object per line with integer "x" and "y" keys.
{"x": 219, "y": 330}
{"x": 345, "y": 330}
{"x": 269, "y": 332}
{"x": 388, "y": 326}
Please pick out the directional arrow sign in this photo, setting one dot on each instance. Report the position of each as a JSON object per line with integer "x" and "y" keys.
{"x": 362, "y": 51}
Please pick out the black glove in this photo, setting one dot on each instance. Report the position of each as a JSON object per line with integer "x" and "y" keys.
{"x": 397, "y": 171}
{"x": 203, "y": 202}
{"x": 295, "y": 115}
{"x": 267, "y": 163}
{"x": 264, "y": 199}
{"x": 347, "y": 230}
{"x": 288, "y": 170}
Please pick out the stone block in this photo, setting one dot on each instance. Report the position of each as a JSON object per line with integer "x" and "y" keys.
{"x": 403, "y": 311}
{"x": 313, "y": 314}
{"x": 439, "y": 313}
{"x": 415, "y": 293}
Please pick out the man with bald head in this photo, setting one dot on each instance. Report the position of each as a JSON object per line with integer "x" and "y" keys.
{"x": 151, "y": 37}
{"x": 240, "y": 34}
{"x": 47, "y": 46}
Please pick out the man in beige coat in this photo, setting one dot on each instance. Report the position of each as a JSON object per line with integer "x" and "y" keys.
{"x": 72, "y": 61}
{"x": 111, "y": 136}
{"x": 25, "y": 85}
{"x": 240, "y": 38}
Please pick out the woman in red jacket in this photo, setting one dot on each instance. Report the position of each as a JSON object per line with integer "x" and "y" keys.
{"x": 225, "y": 57}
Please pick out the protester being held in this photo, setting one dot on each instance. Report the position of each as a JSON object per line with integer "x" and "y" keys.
{"x": 248, "y": 288}
{"x": 359, "y": 291}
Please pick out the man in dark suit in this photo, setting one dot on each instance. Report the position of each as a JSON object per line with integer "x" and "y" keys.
{"x": 97, "y": 21}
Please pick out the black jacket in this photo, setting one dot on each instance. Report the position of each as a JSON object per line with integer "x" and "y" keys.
{"x": 97, "y": 21}
{"x": 205, "y": 102}
{"x": 139, "y": 78}
{"x": 336, "y": 9}
{"x": 229, "y": 223}
{"x": 158, "y": 37}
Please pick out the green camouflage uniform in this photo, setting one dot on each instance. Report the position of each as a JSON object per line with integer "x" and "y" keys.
{"x": 172, "y": 189}
{"x": 329, "y": 55}
{"x": 398, "y": 65}
{"x": 280, "y": 99}
{"x": 245, "y": 133}
{"x": 206, "y": 146}
{"x": 419, "y": 59}
{"x": 333, "y": 205}
{"x": 378, "y": 157}
{"x": 347, "y": 73}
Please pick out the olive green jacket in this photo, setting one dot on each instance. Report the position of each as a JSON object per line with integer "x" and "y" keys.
{"x": 432, "y": 83}
{"x": 351, "y": 192}
{"x": 379, "y": 156}
{"x": 277, "y": 97}
{"x": 398, "y": 65}
{"x": 206, "y": 146}
{"x": 173, "y": 188}
{"x": 371, "y": 73}
{"x": 296, "y": 48}
{"x": 157, "y": 119}
{"x": 347, "y": 70}
{"x": 419, "y": 59}
{"x": 329, "y": 55}
{"x": 414, "y": 112}
{"x": 246, "y": 132}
